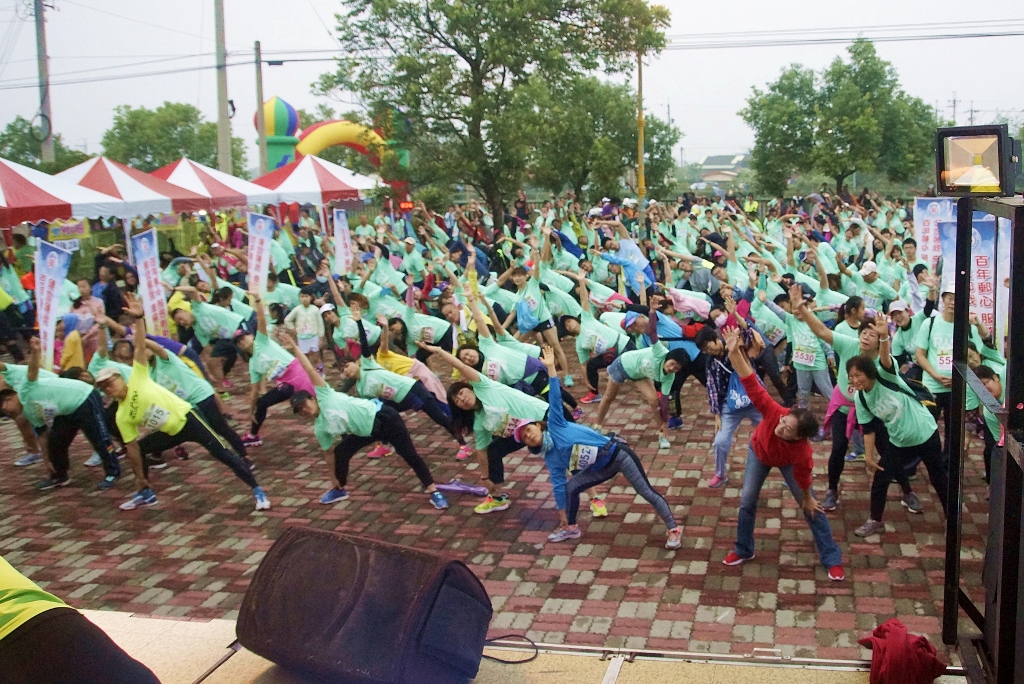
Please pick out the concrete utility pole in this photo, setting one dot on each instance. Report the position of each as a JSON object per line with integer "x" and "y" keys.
{"x": 44, "y": 82}
{"x": 641, "y": 186}
{"x": 261, "y": 122}
{"x": 223, "y": 122}
{"x": 952, "y": 103}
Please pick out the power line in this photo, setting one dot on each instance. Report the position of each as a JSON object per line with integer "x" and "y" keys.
{"x": 721, "y": 45}
{"x": 1005, "y": 23}
{"x": 137, "y": 21}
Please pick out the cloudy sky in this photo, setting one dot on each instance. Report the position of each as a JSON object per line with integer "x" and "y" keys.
{"x": 96, "y": 39}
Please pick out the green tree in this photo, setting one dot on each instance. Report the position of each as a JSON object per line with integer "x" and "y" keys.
{"x": 147, "y": 139}
{"x": 588, "y": 141}
{"x": 21, "y": 142}
{"x": 467, "y": 75}
{"x": 852, "y": 117}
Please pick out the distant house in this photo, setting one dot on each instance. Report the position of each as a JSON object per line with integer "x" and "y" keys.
{"x": 722, "y": 168}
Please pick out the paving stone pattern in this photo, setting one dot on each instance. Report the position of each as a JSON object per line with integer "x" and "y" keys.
{"x": 193, "y": 555}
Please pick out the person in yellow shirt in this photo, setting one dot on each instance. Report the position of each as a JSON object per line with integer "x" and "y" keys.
{"x": 170, "y": 421}
{"x": 33, "y": 622}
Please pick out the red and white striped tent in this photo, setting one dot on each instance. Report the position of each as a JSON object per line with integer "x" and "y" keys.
{"x": 145, "y": 193}
{"x": 30, "y": 195}
{"x": 312, "y": 180}
{"x": 223, "y": 190}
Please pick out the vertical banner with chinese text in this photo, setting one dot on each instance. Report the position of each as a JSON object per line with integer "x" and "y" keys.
{"x": 261, "y": 234}
{"x": 342, "y": 243}
{"x": 147, "y": 262}
{"x": 52, "y": 264}
{"x": 935, "y": 232}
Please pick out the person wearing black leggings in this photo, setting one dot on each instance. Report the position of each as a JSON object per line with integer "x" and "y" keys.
{"x": 45, "y": 641}
{"x": 344, "y": 425}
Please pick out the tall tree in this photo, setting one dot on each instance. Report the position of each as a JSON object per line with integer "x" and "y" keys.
{"x": 466, "y": 74}
{"x": 588, "y": 140}
{"x": 853, "y": 116}
{"x": 21, "y": 142}
{"x": 150, "y": 138}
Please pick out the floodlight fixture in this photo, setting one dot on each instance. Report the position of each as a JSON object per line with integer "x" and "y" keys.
{"x": 980, "y": 161}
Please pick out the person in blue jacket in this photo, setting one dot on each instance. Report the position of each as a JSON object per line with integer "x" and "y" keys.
{"x": 591, "y": 457}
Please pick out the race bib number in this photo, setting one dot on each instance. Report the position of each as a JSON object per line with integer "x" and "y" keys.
{"x": 155, "y": 417}
{"x": 774, "y": 335}
{"x": 600, "y": 346}
{"x": 804, "y": 356}
{"x": 530, "y": 302}
{"x": 387, "y": 392}
{"x": 492, "y": 369}
{"x": 275, "y": 370}
{"x": 171, "y": 386}
{"x": 428, "y": 335}
{"x": 582, "y": 457}
{"x": 945, "y": 361}
{"x": 510, "y": 427}
{"x": 870, "y": 300}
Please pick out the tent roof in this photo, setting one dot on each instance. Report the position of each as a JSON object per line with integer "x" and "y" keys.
{"x": 145, "y": 194}
{"x": 223, "y": 190}
{"x": 312, "y": 180}
{"x": 30, "y": 195}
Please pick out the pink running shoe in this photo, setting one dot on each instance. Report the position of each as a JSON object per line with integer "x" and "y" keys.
{"x": 464, "y": 452}
{"x": 381, "y": 450}
{"x": 228, "y": 384}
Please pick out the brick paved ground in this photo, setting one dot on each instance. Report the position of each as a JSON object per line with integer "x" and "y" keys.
{"x": 193, "y": 555}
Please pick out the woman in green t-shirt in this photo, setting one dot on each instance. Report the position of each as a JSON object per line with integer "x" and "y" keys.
{"x": 883, "y": 400}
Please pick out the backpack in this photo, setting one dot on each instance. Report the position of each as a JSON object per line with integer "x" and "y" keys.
{"x": 917, "y": 391}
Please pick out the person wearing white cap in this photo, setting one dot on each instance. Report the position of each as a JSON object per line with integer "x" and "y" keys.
{"x": 908, "y": 323}
{"x": 867, "y": 283}
{"x": 170, "y": 420}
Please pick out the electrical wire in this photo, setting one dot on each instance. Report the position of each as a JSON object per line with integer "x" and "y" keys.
{"x": 138, "y": 21}
{"x": 1005, "y": 23}
{"x": 121, "y": 66}
{"x": 831, "y": 40}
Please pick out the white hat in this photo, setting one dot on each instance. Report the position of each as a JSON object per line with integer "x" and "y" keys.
{"x": 326, "y": 307}
{"x": 409, "y": 241}
{"x": 106, "y": 374}
{"x": 652, "y": 203}
{"x": 629, "y": 202}
{"x": 605, "y": 200}
{"x": 868, "y": 268}
{"x": 898, "y": 305}
{"x": 948, "y": 286}
{"x": 596, "y": 211}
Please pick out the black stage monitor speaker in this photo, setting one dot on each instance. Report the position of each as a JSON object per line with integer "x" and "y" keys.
{"x": 358, "y": 611}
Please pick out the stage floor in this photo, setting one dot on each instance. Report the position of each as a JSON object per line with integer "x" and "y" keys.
{"x": 193, "y": 555}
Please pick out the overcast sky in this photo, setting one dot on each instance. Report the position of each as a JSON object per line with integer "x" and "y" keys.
{"x": 704, "y": 88}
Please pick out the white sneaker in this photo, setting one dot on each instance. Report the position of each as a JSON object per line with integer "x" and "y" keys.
{"x": 94, "y": 460}
{"x": 663, "y": 443}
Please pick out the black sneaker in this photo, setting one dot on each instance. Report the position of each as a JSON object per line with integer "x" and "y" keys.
{"x": 53, "y": 482}
{"x": 156, "y": 461}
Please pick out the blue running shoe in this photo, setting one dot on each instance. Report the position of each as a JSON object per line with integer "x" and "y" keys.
{"x": 334, "y": 495}
{"x": 437, "y": 498}
{"x": 262, "y": 502}
{"x": 144, "y": 497}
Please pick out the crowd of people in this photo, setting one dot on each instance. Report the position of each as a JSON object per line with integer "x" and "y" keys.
{"x": 468, "y": 320}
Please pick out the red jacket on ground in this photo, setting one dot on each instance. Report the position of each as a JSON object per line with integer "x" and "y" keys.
{"x": 769, "y": 448}
{"x": 898, "y": 657}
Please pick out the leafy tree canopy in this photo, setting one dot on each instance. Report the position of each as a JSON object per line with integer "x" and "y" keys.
{"x": 147, "y": 139}
{"x": 21, "y": 142}
{"x": 851, "y": 117}
{"x": 469, "y": 75}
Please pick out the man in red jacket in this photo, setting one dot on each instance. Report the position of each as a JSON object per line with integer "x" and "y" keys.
{"x": 780, "y": 441}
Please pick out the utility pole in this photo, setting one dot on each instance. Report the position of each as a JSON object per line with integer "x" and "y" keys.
{"x": 953, "y": 104}
{"x": 44, "y": 82}
{"x": 641, "y": 186}
{"x": 223, "y": 123}
{"x": 970, "y": 112}
{"x": 261, "y": 122}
